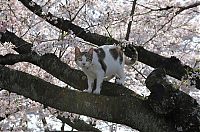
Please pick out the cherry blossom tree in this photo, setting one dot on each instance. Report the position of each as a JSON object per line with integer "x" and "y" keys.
{"x": 38, "y": 75}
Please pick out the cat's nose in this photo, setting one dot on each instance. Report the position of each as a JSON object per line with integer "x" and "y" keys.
{"x": 83, "y": 64}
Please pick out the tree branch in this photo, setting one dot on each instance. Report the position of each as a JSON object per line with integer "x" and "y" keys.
{"x": 172, "y": 65}
{"x": 21, "y": 46}
{"x": 67, "y": 25}
{"x": 78, "y": 31}
{"x": 78, "y": 124}
{"x": 166, "y": 99}
{"x": 130, "y": 22}
{"x": 1, "y": 118}
{"x": 78, "y": 12}
{"x": 181, "y": 9}
{"x": 123, "y": 109}
{"x": 75, "y": 78}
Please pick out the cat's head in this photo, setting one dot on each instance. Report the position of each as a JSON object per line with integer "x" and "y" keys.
{"x": 83, "y": 59}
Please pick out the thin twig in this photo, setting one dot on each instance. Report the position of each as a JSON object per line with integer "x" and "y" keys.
{"x": 188, "y": 7}
{"x": 139, "y": 72}
{"x": 130, "y": 22}
{"x": 156, "y": 32}
{"x": 78, "y": 12}
{"x": 108, "y": 32}
{"x": 158, "y": 9}
{"x": 181, "y": 9}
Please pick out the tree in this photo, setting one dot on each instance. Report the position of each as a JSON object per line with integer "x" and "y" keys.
{"x": 159, "y": 25}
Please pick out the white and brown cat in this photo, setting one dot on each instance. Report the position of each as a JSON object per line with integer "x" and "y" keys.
{"x": 105, "y": 61}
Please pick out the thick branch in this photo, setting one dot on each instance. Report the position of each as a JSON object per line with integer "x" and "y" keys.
{"x": 166, "y": 99}
{"x": 62, "y": 71}
{"x": 66, "y": 25}
{"x": 21, "y": 46}
{"x": 123, "y": 110}
{"x": 172, "y": 66}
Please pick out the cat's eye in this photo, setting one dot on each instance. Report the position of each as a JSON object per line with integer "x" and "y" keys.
{"x": 89, "y": 56}
{"x": 88, "y": 59}
{"x": 79, "y": 59}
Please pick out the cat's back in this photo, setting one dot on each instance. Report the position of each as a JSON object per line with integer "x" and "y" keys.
{"x": 112, "y": 52}
{"x": 104, "y": 51}
{"x": 112, "y": 56}
{"x": 107, "y": 50}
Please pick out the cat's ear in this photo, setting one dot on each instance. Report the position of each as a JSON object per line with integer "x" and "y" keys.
{"x": 91, "y": 51}
{"x": 77, "y": 51}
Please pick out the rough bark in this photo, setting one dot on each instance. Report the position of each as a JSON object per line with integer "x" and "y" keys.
{"x": 172, "y": 65}
{"x": 164, "y": 98}
{"x": 167, "y": 100}
{"x": 52, "y": 64}
{"x": 127, "y": 110}
{"x": 21, "y": 46}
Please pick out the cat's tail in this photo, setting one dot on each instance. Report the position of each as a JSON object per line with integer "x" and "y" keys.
{"x": 133, "y": 59}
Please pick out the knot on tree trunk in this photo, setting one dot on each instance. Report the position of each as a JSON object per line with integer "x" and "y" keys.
{"x": 175, "y": 105}
{"x": 161, "y": 99}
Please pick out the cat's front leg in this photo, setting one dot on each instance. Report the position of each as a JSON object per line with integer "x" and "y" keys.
{"x": 90, "y": 84}
{"x": 100, "y": 77}
{"x": 121, "y": 77}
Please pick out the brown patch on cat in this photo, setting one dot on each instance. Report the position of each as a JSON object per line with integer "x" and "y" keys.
{"x": 120, "y": 55}
{"x": 116, "y": 52}
{"x": 101, "y": 55}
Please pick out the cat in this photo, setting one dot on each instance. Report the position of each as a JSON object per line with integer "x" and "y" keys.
{"x": 105, "y": 61}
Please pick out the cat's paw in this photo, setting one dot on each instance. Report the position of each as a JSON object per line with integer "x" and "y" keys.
{"x": 97, "y": 91}
{"x": 88, "y": 90}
